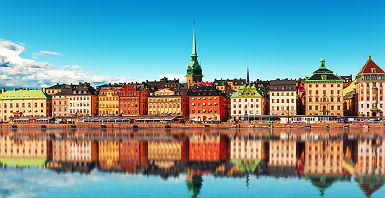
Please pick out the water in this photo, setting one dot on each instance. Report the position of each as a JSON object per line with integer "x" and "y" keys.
{"x": 192, "y": 163}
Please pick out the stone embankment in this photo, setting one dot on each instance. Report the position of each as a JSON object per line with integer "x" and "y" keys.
{"x": 195, "y": 125}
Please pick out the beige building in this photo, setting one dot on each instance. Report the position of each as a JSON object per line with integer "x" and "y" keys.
{"x": 324, "y": 92}
{"x": 323, "y": 157}
{"x": 172, "y": 102}
{"x": 24, "y": 102}
{"x": 247, "y": 102}
{"x": 79, "y": 101}
{"x": 247, "y": 147}
{"x": 282, "y": 153}
{"x": 283, "y": 97}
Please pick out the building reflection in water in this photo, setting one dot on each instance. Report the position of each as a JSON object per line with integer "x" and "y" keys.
{"x": 321, "y": 160}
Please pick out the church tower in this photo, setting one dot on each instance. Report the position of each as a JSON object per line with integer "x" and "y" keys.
{"x": 194, "y": 70}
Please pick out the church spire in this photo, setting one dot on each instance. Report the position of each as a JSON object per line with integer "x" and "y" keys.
{"x": 248, "y": 79}
{"x": 194, "y": 47}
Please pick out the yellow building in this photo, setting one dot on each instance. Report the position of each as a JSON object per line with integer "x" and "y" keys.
{"x": 324, "y": 92}
{"x": 25, "y": 102}
{"x": 109, "y": 101}
{"x": 164, "y": 102}
{"x": 233, "y": 84}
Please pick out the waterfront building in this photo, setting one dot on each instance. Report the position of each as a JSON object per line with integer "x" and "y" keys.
{"x": 194, "y": 70}
{"x": 323, "y": 157}
{"x": 208, "y": 104}
{"x": 24, "y": 102}
{"x": 370, "y": 157}
{"x": 171, "y": 102}
{"x": 247, "y": 102}
{"x": 208, "y": 147}
{"x": 370, "y": 82}
{"x": 109, "y": 153}
{"x": 133, "y": 153}
{"x": 282, "y": 153}
{"x": 133, "y": 100}
{"x": 324, "y": 92}
{"x": 229, "y": 84}
{"x": 79, "y": 101}
{"x": 109, "y": 100}
{"x": 245, "y": 147}
{"x": 283, "y": 97}
{"x": 74, "y": 151}
{"x": 350, "y": 100}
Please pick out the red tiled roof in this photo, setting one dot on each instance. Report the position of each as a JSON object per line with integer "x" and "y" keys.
{"x": 367, "y": 69}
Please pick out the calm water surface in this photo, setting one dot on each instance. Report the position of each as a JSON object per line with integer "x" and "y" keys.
{"x": 192, "y": 163}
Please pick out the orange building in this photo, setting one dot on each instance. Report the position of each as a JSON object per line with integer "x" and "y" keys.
{"x": 109, "y": 100}
{"x": 109, "y": 154}
{"x": 133, "y": 100}
{"x": 205, "y": 147}
{"x": 133, "y": 153}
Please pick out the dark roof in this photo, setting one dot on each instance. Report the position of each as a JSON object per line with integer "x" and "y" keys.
{"x": 205, "y": 91}
{"x": 323, "y": 74}
{"x": 235, "y": 81}
{"x": 283, "y": 85}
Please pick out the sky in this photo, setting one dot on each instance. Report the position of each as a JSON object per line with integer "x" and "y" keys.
{"x": 47, "y": 42}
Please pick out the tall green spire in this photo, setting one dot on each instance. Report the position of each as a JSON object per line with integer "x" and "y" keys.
{"x": 194, "y": 69}
{"x": 194, "y": 47}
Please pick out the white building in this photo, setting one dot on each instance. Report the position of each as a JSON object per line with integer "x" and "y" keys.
{"x": 283, "y": 97}
{"x": 247, "y": 102}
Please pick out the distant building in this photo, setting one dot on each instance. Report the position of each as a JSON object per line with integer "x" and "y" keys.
{"x": 109, "y": 100}
{"x": 59, "y": 88}
{"x": 24, "y": 102}
{"x": 350, "y": 100}
{"x": 370, "y": 82}
{"x": 172, "y": 102}
{"x": 247, "y": 101}
{"x": 229, "y": 84}
{"x": 194, "y": 70}
{"x": 324, "y": 92}
{"x": 207, "y": 103}
{"x": 133, "y": 100}
{"x": 163, "y": 83}
{"x": 81, "y": 100}
{"x": 347, "y": 80}
{"x": 283, "y": 97}
{"x": 205, "y": 147}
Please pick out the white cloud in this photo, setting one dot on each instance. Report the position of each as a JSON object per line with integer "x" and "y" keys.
{"x": 43, "y": 53}
{"x": 181, "y": 77}
{"x": 21, "y": 72}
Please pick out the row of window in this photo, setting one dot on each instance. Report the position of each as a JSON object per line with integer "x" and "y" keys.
{"x": 164, "y": 99}
{"x": 246, "y": 106}
{"x": 203, "y": 104}
{"x": 323, "y": 99}
{"x": 324, "y": 85}
{"x": 282, "y": 94}
{"x": 246, "y": 100}
{"x": 11, "y": 105}
{"x": 324, "y": 92}
{"x": 251, "y": 112}
{"x": 282, "y": 101}
{"x": 102, "y": 98}
{"x": 324, "y": 107}
{"x": 203, "y": 98}
{"x": 164, "y": 105}
{"x": 282, "y": 108}
{"x": 204, "y": 111}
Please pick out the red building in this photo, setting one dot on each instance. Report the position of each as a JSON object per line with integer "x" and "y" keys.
{"x": 133, "y": 100}
{"x": 132, "y": 154}
{"x": 208, "y": 147}
{"x": 208, "y": 104}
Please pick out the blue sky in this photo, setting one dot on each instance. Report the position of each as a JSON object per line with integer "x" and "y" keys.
{"x": 137, "y": 40}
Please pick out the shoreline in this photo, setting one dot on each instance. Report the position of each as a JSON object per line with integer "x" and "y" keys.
{"x": 192, "y": 125}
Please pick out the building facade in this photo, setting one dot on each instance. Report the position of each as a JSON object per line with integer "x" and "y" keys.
{"x": 229, "y": 84}
{"x": 283, "y": 97}
{"x": 323, "y": 157}
{"x": 324, "y": 92}
{"x": 17, "y": 103}
{"x": 172, "y": 102}
{"x": 282, "y": 153}
{"x": 247, "y": 102}
{"x": 133, "y": 100}
{"x": 79, "y": 101}
{"x": 208, "y": 104}
{"x": 370, "y": 82}
{"x": 244, "y": 147}
{"x": 109, "y": 100}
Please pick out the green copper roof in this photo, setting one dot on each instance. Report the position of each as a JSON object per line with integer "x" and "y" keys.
{"x": 323, "y": 74}
{"x": 193, "y": 68}
{"x": 246, "y": 91}
{"x": 24, "y": 162}
{"x": 24, "y": 94}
